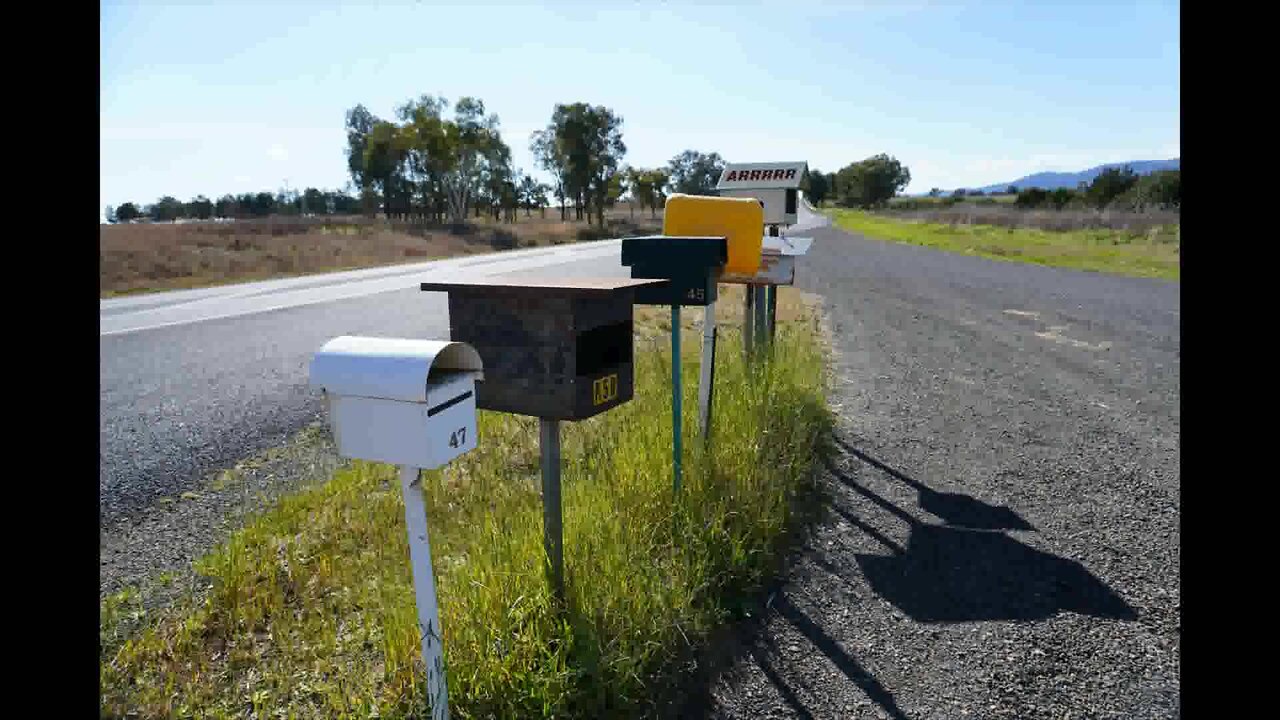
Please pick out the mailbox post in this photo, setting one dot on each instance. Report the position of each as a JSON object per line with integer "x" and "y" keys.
{"x": 690, "y": 265}
{"x": 687, "y": 216}
{"x": 410, "y": 403}
{"x": 553, "y": 348}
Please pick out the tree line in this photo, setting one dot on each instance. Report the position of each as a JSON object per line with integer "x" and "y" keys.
{"x": 868, "y": 183}
{"x": 1113, "y": 188}
{"x": 435, "y": 165}
{"x": 245, "y": 205}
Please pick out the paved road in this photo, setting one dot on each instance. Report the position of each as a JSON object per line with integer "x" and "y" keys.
{"x": 195, "y": 380}
{"x": 1002, "y": 538}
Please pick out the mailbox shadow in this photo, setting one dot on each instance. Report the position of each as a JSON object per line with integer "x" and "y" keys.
{"x": 788, "y": 695}
{"x": 951, "y": 574}
{"x": 837, "y": 655}
{"x": 749, "y": 639}
{"x": 954, "y": 508}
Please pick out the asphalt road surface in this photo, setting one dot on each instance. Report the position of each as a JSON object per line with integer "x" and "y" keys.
{"x": 1002, "y": 538}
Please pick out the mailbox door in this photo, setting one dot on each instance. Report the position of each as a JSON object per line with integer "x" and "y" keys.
{"x": 424, "y": 435}
{"x": 381, "y": 430}
{"x": 605, "y": 349}
{"x": 689, "y": 289}
{"x": 450, "y": 417}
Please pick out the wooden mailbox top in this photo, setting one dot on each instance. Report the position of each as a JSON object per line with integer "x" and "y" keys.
{"x": 543, "y": 286}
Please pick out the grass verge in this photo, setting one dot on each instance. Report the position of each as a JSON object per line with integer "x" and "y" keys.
{"x": 309, "y": 610}
{"x": 1154, "y": 254}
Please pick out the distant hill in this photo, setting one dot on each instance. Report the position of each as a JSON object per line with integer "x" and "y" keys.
{"x": 1055, "y": 180}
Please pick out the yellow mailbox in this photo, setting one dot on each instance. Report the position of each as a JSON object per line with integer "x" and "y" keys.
{"x": 740, "y": 220}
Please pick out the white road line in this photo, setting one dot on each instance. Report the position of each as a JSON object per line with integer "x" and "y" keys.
{"x": 251, "y": 298}
{"x": 1053, "y": 334}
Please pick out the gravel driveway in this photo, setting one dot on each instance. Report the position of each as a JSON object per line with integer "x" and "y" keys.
{"x": 1002, "y": 538}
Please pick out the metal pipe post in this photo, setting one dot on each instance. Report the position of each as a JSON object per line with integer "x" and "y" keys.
{"x": 706, "y": 380}
{"x": 771, "y": 299}
{"x": 675, "y": 396}
{"x": 761, "y": 332}
{"x": 424, "y": 589}
{"x": 772, "y": 315}
{"x": 552, "y": 529}
{"x": 748, "y": 317}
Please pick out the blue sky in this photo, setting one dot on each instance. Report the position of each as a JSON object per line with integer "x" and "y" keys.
{"x": 238, "y": 97}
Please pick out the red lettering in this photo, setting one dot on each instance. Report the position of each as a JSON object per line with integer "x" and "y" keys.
{"x": 729, "y": 176}
{"x": 791, "y": 174}
{"x": 755, "y": 175}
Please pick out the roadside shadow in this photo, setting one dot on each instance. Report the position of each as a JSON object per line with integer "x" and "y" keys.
{"x": 954, "y": 508}
{"x": 760, "y": 645}
{"x": 956, "y": 574}
{"x": 949, "y": 575}
{"x": 788, "y": 695}
{"x": 876, "y": 692}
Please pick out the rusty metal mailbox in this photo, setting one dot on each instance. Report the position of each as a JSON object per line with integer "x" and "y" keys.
{"x": 557, "y": 349}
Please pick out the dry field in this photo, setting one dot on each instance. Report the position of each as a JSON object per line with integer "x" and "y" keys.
{"x": 1005, "y": 215}
{"x": 151, "y": 257}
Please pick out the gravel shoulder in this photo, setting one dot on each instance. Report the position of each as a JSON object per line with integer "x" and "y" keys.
{"x": 1001, "y": 536}
{"x": 152, "y": 551}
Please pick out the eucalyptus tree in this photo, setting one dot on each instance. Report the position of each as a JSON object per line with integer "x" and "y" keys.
{"x": 588, "y": 141}
{"x": 695, "y": 173}
{"x": 546, "y": 152}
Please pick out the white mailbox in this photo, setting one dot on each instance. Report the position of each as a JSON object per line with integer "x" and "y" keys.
{"x": 775, "y": 185}
{"x": 400, "y": 401}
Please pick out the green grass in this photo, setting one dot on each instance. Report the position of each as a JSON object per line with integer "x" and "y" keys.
{"x": 1154, "y": 255}
{"x": 310, "y": 613}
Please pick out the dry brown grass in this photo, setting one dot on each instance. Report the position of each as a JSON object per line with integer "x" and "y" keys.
{"x": 152, "y": 257}
{"x": 1065, "y": 220}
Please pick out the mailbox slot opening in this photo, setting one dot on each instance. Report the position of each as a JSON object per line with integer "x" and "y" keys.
{"x": 603, "y": 347}
{"x": 444, "y": 391}
{"x": 448, "y": 404}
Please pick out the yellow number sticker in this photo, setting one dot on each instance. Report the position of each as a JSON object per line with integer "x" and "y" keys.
{"x": 604, "y": 389}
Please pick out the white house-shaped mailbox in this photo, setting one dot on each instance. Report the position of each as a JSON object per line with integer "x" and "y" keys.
{"x": 400, "y": 401}
{"x": 776, "y": 185}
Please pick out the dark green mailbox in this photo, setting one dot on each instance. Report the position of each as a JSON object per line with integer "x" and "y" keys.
{"x": 690, "y": 265}
{"x": 558, "y": 349}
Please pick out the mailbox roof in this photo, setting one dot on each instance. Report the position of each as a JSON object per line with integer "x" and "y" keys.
{"x": 388, "y": 368}
{"x": 683, "y": 252}
{"x": 787, "y": 245}
{"x": 541, "y": 286}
